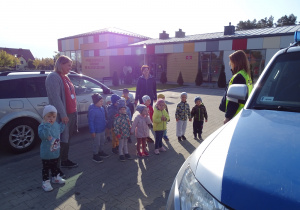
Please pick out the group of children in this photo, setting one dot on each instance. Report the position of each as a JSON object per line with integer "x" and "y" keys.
{"x": 114, "y": 121}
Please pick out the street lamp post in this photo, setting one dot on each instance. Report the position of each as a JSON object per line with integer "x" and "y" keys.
{"x": 145, "y": 50}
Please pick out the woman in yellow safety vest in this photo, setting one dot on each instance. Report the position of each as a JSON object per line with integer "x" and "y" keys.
{"x": 240, "y": 69}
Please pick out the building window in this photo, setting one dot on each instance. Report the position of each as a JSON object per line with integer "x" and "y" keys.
{"x": 210, "y": 64}
{"x": 257, "y": 59}
{"x": 21, "y": 62}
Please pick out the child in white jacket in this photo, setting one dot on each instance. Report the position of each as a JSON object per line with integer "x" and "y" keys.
{"x": 140, "y": 126}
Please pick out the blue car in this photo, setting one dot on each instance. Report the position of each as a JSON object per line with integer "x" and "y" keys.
{"x": 253, "y": 161}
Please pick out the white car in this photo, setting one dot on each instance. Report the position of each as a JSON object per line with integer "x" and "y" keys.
{"x": 23, "y": 97}
{"x": 252, "y": 161}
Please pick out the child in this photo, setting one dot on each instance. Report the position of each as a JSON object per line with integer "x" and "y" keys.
{"x": 112, "y": 111}
{"x": 147, "y": 102}
{"x": 182, "y": 113}
{"x": 162, "y": 96}
{"x": 160, "y": 118}
{"x": 122, "y": 130}
{"x": 49, "y": 131}
{"x": 129, "y": 104}
{"x": 199, "y": 113}
{"x": 97, "y": 124}
{"x": 141, "y": 127}
{"x": 107, "y": 130}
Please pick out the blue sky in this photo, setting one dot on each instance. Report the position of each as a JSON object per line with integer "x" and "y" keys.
{"x": 37, "y": 24}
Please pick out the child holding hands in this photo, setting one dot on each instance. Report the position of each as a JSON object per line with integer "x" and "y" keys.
{"x": 49, "y": 131}
{"x": 182, "y": 114}
{"x": 140, "y": 126}
{"x": 160, "y": 118}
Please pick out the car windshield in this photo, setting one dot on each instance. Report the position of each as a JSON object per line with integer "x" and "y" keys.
{"x": 280, "y": 88}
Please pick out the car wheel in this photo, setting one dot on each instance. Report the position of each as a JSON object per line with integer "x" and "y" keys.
{"x": 20, "y": 135}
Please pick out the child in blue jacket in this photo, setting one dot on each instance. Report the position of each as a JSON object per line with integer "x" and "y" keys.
{"x": 97, "y": 125}
{"x": 49, "y": 131}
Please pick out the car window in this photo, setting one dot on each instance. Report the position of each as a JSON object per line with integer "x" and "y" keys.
{"x": 281, "y": 87}
{"x": 84, "y": 86}
{"x": 35, "y": 87}
{"x": 12, "y": 89}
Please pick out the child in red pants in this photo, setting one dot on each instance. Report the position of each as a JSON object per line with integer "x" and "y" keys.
{"x": 140, "y": 126}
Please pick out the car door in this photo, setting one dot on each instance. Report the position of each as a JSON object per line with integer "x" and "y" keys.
{"x": 35, "y": 91}
{"x": 85, "y": 87}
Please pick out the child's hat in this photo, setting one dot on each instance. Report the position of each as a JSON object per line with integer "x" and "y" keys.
{"x": 146, "y": 98}
{"x": 197, "y": 98}
{"x": 108, "y": 98}
{"x": 49, "y": 108}
{"x": 160, "y": 101}
{"x": 161, "y": 95}
{"x": 183, "y": 94}
{"x": 96, "y": 98}
{"x": 121, "y": 103}
{"x": 114, "y": 98}
{"x": 140, "y": 108}
{"x": 125, "y": 90}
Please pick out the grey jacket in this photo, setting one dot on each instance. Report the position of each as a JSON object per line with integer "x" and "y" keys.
{"x": 56, "y": 94}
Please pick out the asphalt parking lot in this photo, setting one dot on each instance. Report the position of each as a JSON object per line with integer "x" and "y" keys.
{"x": 134, "y": 184}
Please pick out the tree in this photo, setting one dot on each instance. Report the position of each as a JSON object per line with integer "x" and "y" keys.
{"x": 8, "y": 60}
{"x": 180, "y": 79}
{"x": 30, "y": 64}
{"x": 222, "y": 78}
{"x": 265, "y": 23}
{"x": 163, "y": 77}
{"x": 245, "y": 25}
{"x": 199, "y": 78}
{"x": 286, "y": 20}
{"x": 115, "y": 79}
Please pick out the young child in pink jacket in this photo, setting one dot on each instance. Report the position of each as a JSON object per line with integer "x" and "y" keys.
{"x": 140, "y": 126}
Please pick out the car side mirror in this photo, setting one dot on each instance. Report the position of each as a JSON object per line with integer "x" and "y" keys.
{"x": 237, "y": 92}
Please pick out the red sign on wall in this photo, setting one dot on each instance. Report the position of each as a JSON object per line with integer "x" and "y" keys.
{"x": 188, "y": 57}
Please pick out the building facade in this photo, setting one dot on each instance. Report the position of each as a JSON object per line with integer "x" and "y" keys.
{"x": 100, "y": 53}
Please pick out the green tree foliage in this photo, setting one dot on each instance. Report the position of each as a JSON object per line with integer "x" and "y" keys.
{"x": 30, "y": 64}
{"x": 8, "y": 60}
{"x": 287, "y": 20}
{"x": 199, "y": 78}
{"x": 180, "y": 79}
{"x": 222, "y": 78}
{"x": 163, "y": 77}
{"x": 43, "y": 64}
{"x": 115, "y": 79}
{"x": 267, "y": 22}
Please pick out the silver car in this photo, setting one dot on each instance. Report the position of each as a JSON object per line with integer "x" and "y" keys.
{"x": 23, "y": 97}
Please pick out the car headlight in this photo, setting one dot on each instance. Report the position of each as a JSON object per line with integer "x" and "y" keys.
{"x": 194, "y": 196}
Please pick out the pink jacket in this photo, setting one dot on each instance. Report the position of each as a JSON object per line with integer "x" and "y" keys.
{"x": 140, "y": 126}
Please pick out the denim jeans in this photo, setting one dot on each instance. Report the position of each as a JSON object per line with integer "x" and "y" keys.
{"x": 158, "y": 139}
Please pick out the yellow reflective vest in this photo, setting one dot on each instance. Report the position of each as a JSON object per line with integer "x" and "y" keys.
{"x": 248, "y": 83}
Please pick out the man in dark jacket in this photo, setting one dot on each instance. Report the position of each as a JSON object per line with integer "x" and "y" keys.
{"x": 146, "y": 85}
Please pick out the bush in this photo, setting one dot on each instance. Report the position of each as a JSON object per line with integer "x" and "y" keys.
{"x": 199, "y": 78}
{"x": 115, "y": 79}
{"x": 180, "y": 79}
{"x": 222, "y": 78}
{"x": 163, "y": 77}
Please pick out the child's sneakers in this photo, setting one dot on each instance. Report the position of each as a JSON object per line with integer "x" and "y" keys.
{"x": 156, "y": 151}
{"x": 145, "y": 154}
{"x": 183, "y": 137}
{"x": 128, "y": 157}
{"x": 103, "y": 154}
{"x": 47, "y": 186}
{"x": 166, "y": 138}
{"x": 195, "y": 137}
{"x": 200, "y": 137}
{"x": 162, "y": 149}
{"x": 97, "y": 159}
{"x": 179, "y": 138}
{"x": 115, "y": 150}
{"x": 122, "y": 158}
{"x": 58, "y": 180}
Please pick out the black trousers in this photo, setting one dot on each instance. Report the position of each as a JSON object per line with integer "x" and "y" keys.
{"x": 197, "y": 127}
{"x": 51, "y": 165}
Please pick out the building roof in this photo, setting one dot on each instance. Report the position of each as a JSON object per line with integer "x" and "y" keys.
{"x": 26, "y": 54}
{"x": 252, "y": 33}
{"x": 108, "y": 30}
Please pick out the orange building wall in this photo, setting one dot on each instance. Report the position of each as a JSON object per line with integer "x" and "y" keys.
{"x": 187, "y": 63}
